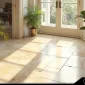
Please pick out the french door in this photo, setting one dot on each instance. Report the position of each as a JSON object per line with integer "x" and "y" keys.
{"x": 59, "y": 17}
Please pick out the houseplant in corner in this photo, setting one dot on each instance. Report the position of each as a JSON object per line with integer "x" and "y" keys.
{"x": 2, "y": 33}
{"x": 82, "y": 15}
{"x": 33, "y": 19}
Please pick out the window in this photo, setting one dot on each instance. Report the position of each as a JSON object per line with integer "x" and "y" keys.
{"x": 69, "y": 12}
{"x": 49, "y": 12}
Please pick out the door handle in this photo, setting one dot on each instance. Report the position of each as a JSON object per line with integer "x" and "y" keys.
{"x": 56, "y": 4}
{"x": 59, "y": 4}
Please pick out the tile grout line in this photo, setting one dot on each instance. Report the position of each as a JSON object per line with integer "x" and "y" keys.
{"x": 65, "y": 62}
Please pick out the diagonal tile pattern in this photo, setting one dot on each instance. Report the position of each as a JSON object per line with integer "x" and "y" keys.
{"x": 42, "y": 59}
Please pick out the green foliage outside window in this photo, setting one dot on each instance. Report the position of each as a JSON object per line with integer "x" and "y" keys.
{"x": 2, "y": 33}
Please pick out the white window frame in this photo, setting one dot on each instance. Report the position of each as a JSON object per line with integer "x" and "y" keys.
{"x": 47, "y": 13}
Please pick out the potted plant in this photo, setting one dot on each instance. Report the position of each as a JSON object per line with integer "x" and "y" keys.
{"x": 33, "y": 19}
{"x": 2, "y": 33}
{"x": 82, "y": 15}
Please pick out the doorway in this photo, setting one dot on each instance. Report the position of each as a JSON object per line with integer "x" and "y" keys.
{"x": 6, "y": 16}
{"x": 59, "y": 17}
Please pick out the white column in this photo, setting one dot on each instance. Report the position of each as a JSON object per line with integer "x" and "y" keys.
{"x": 13, "y": 18}
{"x": 17, "y": 19}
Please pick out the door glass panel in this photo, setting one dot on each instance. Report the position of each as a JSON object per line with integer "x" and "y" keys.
{"x": 69, "y": 1}
{"x": 49, "y": 12}
{"x": 68, "y": 13}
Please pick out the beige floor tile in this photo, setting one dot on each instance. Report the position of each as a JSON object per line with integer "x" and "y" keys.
{"x": 45, "y": 62}
{"x": 83, "y": 65}
{"x": 45, "y": 36}
{"x": 79, "y": 43}
{"x": 58, "y": 51}
{"x": 43, "y": 74}
{"x": 38, "y": 80}
{"x": 21, "y": 57}
{"x": 8, "y": 71}
{"x": 80, "y": 53}
{"x": 70, "y": 75}
{"x": 64, "y": 43}
{"x": 75, "y": 61}
{"x": 41, "y": 40}
{"x": 33, "y": 47}
{"x": 8, "y": 46}
{"x": 2, "y": 46}
{"x": 5, "y": 53}
{"x": 17, "y": 45}
{"x": 3, "y": 82}
{"x": 44, "y": 57}
{"x": 52, "y": 44}
{"x": 53, "y": 70}
{"x": 47, "y": 55}
{"x": 57, "y": 63}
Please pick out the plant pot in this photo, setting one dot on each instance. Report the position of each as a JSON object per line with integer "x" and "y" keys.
{"x": 33, "y": 31}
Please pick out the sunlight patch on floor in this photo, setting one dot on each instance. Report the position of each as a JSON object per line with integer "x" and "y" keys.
{"x": 33, "y": 47}
{"x": 8, "y": 70}
{"x": 41, "y": 40}
{"x": 64, "y": 43}
{"x": 21, "y": 57}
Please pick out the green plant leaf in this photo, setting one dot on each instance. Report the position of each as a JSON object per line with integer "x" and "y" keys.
{"x": 33, "y": 17}
{"x": 2, "y": 33}
{"x": 83, "y": 12}
{"x": 82, "y": 28}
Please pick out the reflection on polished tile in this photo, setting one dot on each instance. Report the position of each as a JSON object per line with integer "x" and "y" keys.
{"x": 45, "y": 36}
{"x": 57, "y": 63}
{"x": 53, "y": 70}
{"x": 41, "y": 40}
{"x": 38, "y": 80}
{"x": 21, "y": 57}
{"x": 64, "y": 43}
{"x": 42, "y": 59}
{"x": 44, "y": 74}
{"x": 58, "y": 51}
{"x": 52, "y": 44}
{"x": 70, "y": 75}
{"x": 79, "y": 44}
{"x": 2, "y": 46}
{"x": 33, "y": 47}
{"x": 45, "y": 62}
{"x": 3, "y": 82}
{"x": 17, "y": 46}
{"x": 83, "y": 65}
{"x": 80, "y": 53}
{"x": 75, "y": 61}
{"x": 4, "y": 53}
{"x": 8, "y": 71}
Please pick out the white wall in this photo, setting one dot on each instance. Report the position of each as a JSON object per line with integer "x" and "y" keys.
{"x": 2, "y": 2}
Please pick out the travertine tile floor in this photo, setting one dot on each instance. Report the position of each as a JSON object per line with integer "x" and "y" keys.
{"x": 42, "y": 59}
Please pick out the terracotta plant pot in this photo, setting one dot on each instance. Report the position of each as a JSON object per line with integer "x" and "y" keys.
{"x": 33, "y": 31}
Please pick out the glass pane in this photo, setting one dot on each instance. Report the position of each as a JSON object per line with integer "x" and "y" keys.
{"x": 48, "y": 0}
{"x": 49, "y": 13}
{"x": 44, "y": 0}
{"x": 69, "y": 12}
{"x": 69, "y": 1}
{"x": 53, "y": 13}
